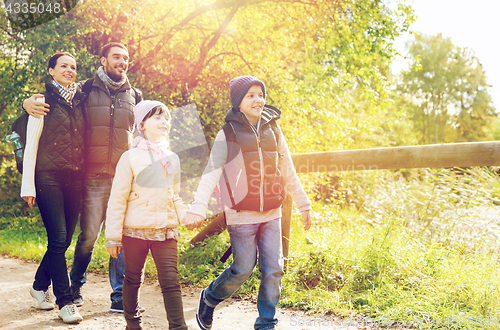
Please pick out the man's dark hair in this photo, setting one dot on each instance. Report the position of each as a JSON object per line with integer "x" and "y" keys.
{"x": 53, "y": 59}
{"x": 107, "y": 47}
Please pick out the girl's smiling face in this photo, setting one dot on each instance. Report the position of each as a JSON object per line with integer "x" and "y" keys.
{"x": 253, "y": 104}
{"x": 157, "y": 127}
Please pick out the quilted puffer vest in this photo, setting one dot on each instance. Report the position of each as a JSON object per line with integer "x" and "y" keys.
{"x": 263, "y": 186}
{"x": 110, "y": 122}
{"x": 61, "y": 142}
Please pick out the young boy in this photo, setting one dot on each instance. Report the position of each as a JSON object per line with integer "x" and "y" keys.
{"x": 258, "y": 178}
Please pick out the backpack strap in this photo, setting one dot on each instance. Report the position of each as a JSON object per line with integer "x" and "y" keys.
{"x": 276, "y": 131}
{"x": 87, "y": 86}
{"x": 230, "y": 136}
{"x": 137, "y": 95}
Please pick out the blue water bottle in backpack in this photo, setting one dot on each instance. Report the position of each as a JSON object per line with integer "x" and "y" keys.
{"x": 15, "y": 139}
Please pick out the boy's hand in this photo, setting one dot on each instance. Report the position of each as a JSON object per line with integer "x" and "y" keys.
{"x": 35, "y": 108}
{"x": 192, "y": 221}
{"x": 114, "y": 250}
{"x": 307, "y": 219}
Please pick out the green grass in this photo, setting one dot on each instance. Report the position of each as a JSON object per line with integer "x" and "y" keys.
{"x": 386, "y": 272}
{"x": 414, "y": 246}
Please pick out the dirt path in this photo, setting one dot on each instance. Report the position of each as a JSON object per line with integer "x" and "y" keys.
{"x": 18, "y": 309}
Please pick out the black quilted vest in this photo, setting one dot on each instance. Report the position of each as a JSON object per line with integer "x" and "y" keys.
{"x": 110, "y": 122}
{"x": 61, "y": 143}
{"x": 260, "y": 155}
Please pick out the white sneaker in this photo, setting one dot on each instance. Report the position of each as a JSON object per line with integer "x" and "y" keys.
{"x": 69, "y": 314}
{"x": 43, "y": 298}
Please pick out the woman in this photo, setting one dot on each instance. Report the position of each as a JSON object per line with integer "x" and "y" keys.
{"x": 52, "y": 173}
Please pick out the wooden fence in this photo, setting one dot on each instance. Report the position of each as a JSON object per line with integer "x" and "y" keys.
{"x": 423, "y": 156}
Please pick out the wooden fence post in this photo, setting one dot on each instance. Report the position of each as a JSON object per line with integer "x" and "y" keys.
{"x": 286, "y": 221}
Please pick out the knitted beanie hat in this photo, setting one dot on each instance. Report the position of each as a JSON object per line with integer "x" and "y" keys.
{"x": 142, "y": 109}
{"x": 239, "y": 86}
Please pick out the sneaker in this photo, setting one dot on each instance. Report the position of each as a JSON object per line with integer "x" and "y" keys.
{"x": 77, "y": 296}
{"x": 69, "y": 314}
{"x": 117, "y": 307}
{"x": 204, "y": 314}
{"x": 43, "y": 298}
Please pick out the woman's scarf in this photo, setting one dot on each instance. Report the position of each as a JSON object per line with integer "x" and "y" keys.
{"x": 66, "y": 93}
{"x": 161, "y": 149}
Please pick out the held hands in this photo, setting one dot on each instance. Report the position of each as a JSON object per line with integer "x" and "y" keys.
{"x": 30, "y": 200}
{"x": 35, "y": 108}
{"x": 192, "y": 221}
{"x": 307, "y": 219}
{"x": 114, "y": 250}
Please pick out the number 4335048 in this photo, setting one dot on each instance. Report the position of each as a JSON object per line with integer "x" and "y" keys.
{"x": 32, "y": 8}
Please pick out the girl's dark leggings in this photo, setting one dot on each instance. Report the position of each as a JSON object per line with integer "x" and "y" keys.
{"x": 165, "y": 257}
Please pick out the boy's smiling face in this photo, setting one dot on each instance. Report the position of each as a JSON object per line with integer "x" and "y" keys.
{"x": 253, "y": 104}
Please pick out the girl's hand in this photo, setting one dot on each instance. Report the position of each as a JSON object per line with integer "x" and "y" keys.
{"x": 30, "y": 200}
{"x": 192, "y": 221}
{"x": 307, "y": 219}
{"x": 114, "y": 250}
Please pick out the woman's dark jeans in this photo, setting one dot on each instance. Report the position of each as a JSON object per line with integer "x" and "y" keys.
{"x": 58, "y": 196}
{"x": 165, "y": 257}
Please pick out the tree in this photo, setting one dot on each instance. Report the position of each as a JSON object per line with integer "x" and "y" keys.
{"x": 187, "y": 51}
{"x": 445, "y": 92}
{"x": 325, "y": 62}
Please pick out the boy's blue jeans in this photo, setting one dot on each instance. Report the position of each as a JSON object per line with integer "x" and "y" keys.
{"x": 96, "y": 190}
{"x": 245, "y": 240}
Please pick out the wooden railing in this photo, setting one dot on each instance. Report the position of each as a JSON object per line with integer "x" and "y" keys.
{"x": 422, "y": 156}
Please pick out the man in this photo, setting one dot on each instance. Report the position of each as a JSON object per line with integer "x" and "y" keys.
{"x": 109, "y": 114}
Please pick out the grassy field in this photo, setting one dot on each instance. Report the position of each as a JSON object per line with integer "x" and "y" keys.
{"x": 420, "y": 247}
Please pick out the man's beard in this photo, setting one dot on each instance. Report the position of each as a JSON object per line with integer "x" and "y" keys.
{"x": 113, "y": 76}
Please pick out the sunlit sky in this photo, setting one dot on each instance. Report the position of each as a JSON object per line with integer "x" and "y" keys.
{"x": 473, "y": 24}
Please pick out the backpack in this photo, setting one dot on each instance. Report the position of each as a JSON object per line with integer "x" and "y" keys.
{"x": 20, "y": 126}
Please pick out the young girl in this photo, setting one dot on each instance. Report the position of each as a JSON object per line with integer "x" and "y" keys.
{"x": 143, "y": 213}
{"x": 257, "y": 179}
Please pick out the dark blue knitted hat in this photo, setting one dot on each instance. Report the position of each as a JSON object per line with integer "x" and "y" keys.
{"x": 239, "y": 86}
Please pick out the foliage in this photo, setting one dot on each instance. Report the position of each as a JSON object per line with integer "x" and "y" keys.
{"x": 445, "y": 93}
{"x": 413, "y": 248}
{"x": 325, "y": 63}
{"x": 319, "y": 60}
{"x": 417, "y": 245}
{"x": 387, "y": 243}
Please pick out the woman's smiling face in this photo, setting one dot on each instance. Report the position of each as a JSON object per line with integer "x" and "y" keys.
{"x": 64, "y": 73}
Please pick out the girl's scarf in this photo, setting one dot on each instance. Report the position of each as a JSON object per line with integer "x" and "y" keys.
{"x": 161, "y": 149}
{"x": 66, "y": 93}
{"x": 110, "y": 83}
